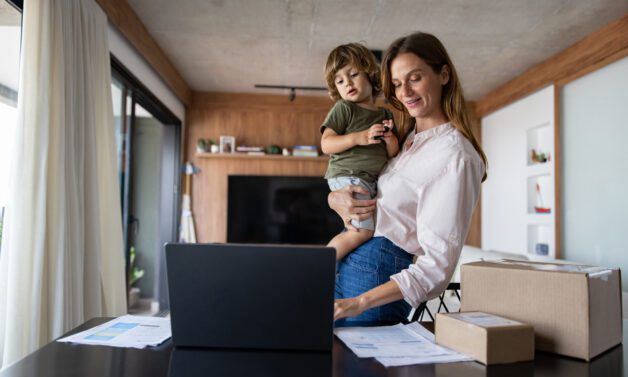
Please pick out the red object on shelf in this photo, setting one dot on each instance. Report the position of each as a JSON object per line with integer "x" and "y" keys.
{"x": 539, "y": 208}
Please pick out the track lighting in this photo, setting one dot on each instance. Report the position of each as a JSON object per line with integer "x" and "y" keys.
{"x": 293, "y": 89}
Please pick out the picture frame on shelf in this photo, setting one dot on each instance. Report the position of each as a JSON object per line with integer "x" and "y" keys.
{"x": 227, "y": 144}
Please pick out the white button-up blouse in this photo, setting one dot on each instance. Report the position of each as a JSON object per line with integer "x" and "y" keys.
{"x": 426, "y": 196}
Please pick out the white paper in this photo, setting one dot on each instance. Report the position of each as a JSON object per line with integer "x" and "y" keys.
{"x": 127, "y": 331}
{"x": 409, "y": 360}
{"x": 397, "y": 345}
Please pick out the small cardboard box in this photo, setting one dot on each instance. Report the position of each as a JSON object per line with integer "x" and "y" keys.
{"x": 575, "y": 309}
{"x": 487, "y": 338}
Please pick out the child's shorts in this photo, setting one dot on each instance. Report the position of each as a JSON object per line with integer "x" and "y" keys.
{"x": 337, "y": 183}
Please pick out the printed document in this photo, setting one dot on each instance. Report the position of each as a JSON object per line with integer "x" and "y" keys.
{"x": 127, "y": 331}
{"x": 397, "y": 345}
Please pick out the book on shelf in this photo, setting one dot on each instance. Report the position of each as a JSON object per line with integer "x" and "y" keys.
{"x": 246, "y": 149}
{"x": 304, "y": 153}
{"x": 305, "y": 148}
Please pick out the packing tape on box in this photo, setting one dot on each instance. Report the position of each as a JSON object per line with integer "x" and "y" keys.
{"x": 592, "y": 271}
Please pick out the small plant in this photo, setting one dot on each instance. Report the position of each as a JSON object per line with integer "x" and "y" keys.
{"x": 202, "y": 145}
{"x": 135, "y": 273}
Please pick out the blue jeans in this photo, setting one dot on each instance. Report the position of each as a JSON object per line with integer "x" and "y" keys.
{"x": 367, "y": 267}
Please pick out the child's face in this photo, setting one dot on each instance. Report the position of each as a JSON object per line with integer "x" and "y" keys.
{"x": 353, "y": 85}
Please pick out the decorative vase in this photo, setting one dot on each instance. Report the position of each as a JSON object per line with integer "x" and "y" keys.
{"x": 134, "y": 296}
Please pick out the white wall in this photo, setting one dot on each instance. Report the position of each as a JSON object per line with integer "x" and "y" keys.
{"x": 506, "y": 196}
{"x": 594, "y": 144}
{"x": 131, "y": 59}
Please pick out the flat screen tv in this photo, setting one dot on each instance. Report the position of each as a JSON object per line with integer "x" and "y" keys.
{"x": 280, "y": 210}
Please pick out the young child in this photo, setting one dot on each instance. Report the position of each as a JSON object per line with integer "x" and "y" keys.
{"x": 358, "y": 136}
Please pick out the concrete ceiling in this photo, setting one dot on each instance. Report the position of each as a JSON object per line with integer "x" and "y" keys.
{"x": 230, "y": 45}
{"x": 8, "y": 15}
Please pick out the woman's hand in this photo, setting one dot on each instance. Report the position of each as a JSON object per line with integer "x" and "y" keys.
{"x": 349, "y": 208}
{"x": 380, "y": 295}
{"x": 347, "y": 307}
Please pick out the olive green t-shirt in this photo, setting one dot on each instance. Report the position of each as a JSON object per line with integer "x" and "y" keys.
{"x": 362, "y": 161}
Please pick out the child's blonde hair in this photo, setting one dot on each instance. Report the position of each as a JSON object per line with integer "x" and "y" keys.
{"x": 361, "y": 58}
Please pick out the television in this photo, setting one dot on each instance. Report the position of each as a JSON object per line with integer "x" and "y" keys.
{"x": 280, "y": 210}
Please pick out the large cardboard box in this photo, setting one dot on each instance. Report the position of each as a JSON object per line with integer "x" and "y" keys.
{"x": 575, "y": 309}
{"x": 487, "y": 338}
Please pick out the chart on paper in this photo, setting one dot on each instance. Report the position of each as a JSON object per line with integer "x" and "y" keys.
{"x": 397, "y": 345}
{"x": 125, "y": 331}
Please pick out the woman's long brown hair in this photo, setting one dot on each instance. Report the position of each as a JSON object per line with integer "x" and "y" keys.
{"x": 433, "y": 53}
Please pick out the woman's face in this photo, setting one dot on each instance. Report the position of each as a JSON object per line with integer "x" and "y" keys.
{"x": 417, "y": 86}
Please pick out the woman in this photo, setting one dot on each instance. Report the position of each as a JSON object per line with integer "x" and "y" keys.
{"x": 426, "y": 194}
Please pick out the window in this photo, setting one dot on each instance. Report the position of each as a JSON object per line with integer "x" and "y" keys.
{"x": 10, "y": 36}
{"x": 147, "y": 143}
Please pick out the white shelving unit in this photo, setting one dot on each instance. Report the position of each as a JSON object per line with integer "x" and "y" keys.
{"x": 518, "y": 204}
{"x": 540, "y": 190}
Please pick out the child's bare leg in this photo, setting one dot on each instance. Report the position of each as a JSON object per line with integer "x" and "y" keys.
{"x": 346, "y": 242}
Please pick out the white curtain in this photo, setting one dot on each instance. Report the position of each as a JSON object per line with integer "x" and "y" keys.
{"x": 62, "y": 256}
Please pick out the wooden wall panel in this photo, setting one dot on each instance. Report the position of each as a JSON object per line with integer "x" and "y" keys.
{"x": 209, "y": 194}
{"x": 474, "y": 237}
{"x": 257, "y": 120}
{"x": 600, "y": 48}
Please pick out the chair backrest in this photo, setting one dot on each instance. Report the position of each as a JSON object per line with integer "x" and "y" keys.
{"x": 420, "y": 311}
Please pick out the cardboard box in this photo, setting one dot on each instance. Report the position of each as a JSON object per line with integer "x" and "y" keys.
{"x": 575, "y": 309}
{"x": 487, "y": 338}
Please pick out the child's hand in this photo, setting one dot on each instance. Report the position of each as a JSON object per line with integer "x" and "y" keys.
{"x": 373, "y": 135}
{"x": 387, "y": 136}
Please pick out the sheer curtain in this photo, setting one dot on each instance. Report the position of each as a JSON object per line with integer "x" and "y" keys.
{"x": 62, "y": 259}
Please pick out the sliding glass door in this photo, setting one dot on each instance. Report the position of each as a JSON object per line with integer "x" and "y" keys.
{"x": 147, "y": 142}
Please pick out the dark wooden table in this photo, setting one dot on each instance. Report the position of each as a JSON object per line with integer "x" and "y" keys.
{"x": 62, "y": 359}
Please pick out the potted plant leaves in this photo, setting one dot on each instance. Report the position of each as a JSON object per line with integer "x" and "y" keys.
{"x": 202, "y": 146}
{"x": 135, "y": 274}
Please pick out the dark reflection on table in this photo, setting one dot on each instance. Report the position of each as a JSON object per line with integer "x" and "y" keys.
{"x": 228, "y": 363}
{"x": 609, "y": 364}
{"x": 475, "y": 369}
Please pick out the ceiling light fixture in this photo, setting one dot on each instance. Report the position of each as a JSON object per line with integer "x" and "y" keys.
{"x": 293, "y": 89}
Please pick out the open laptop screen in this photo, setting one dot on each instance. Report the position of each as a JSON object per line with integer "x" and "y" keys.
{"x": 251, "y": 296}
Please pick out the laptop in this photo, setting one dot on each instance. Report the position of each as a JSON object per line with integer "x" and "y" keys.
{"x": 247, "y": 296}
